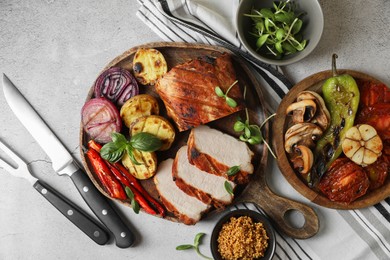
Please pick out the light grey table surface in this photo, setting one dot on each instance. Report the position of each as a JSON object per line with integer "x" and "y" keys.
{"x": 53, "y": 51}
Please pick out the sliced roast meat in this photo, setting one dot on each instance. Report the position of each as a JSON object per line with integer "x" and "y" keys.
{"x": 215, "y": 152}
{"x": 207, "y": 187}
{"x": 186, "y": 208}
{"x": 188, "y": 91}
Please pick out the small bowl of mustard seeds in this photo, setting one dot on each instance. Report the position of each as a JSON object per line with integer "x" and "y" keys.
{"x": 243, "y": 234}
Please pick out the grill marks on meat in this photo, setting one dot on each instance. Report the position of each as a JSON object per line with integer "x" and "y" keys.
{"x": 186, "y": 208}
{"x": 215, "y": 152}
{"x": 208, "y": 188}
{"x": 188, "y": 91}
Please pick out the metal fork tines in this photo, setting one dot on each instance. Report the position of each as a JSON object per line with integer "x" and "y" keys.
{"x": 21, "y": 170}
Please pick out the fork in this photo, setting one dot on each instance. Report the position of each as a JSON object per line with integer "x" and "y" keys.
{"x": 76, "y": 215}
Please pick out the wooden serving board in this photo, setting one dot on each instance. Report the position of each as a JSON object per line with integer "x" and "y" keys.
{"x": 281, "y": 124}
{"x": 257, "y": 190}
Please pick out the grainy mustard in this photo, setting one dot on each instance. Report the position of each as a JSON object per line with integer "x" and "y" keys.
{"x": 241, "y": 238}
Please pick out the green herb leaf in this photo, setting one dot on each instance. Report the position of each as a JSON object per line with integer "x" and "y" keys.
{"x": 130, "y": 153}
{"x": 184, "y": 247}
{"x": 231, "y": 102}
{"x": 198, "y": 238}
{"x": 233, "y": 170}
{"x": 262, "y": 39}
{"x": 112, "y": 152}
{"x": 134, "y": 203}
{"x": 238, "y": 126}
{"x": 219, "y": 92}
{"x": 229, "y": 188}
{"x": 145, "y": 142}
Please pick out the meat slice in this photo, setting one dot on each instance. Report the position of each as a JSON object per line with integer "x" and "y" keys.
{"x": 188, "y": 91}
{"x": 215, "y": 152}
{"x": 186, "y": 208}
{"x": 207, "y": 187}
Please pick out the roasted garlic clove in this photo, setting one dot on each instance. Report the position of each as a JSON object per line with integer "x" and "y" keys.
{"x": 362, "y": 144}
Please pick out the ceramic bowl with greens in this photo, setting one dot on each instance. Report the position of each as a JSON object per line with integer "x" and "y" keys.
{"x": 279, "y": 32}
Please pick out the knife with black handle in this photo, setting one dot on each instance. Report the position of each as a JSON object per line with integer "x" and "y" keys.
{"x": 63, "y": 163}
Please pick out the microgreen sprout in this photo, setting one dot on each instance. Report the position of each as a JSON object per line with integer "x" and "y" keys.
{"x": 278, "y": 29}
{"x": 251, "y": 133}
{"x": 230, "y": 101}
{"x": 133, "y": 202}
{"x": 195, "y": 246}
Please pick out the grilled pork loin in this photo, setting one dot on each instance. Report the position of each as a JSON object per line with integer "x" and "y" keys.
{"x": 186, "y": 208}
{"x": 188, "y": 91}
{"x": 215, "y": 152}
{"x": 207, "y": 187}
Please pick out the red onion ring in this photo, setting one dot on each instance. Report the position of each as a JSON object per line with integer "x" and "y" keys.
{"x": 117, "y": 85}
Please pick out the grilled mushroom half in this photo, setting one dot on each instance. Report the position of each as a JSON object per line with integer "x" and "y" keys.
{"x": 301, "y": 134}
{"x": 322, "y": 116}
{"x": 302, "y": 111}
{"x": 302, "y": 159}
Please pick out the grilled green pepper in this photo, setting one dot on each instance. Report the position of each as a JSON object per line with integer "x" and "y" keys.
{"x": 341, "y": 96}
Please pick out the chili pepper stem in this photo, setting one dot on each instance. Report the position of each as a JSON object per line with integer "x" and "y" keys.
{"x": 334, "y": 69}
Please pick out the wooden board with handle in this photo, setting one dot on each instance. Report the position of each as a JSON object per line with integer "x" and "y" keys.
{"x": 257, "y": 190}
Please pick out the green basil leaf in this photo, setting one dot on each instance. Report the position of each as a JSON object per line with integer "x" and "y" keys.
{"x": 233, "y": 170}
{"x": 112, "y": 152}
{"x": 118, "y": 138}
{"x": 130, "y": 153}
{"x": 145, "y": 142}
{"x": 228, "y": 188}
{"x": 219, "y": 92}
{"x": 184, "y": 247}
{"x": 231, "y": 102}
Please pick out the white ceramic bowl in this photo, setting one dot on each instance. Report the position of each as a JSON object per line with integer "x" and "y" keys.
{"x": 313, "y": 25}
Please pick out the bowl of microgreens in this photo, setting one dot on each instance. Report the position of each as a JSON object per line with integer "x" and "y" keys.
{"x": 279, "y": 32}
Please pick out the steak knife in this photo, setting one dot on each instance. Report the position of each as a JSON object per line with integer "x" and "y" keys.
{"x": 63, "y": 163}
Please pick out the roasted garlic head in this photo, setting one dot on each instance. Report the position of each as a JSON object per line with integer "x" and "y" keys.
{"x": 362, "y": 144}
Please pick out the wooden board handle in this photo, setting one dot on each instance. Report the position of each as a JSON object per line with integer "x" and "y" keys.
{"x": 277, "y": 207}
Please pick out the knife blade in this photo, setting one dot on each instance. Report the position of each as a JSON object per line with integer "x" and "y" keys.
{"x": 63, "y": 163}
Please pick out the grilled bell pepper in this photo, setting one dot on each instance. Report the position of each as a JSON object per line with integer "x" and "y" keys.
{"x": 129, "y": 180}
{"x": 341, "y": 95}
{"x": 109, "y": 182}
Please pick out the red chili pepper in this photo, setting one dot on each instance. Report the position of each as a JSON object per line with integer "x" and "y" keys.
{"x": 132, "y": 180}
{"x": 112, "y": 185}
{"x": 137, "y": 195}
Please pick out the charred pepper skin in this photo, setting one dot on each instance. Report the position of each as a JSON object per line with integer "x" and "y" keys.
{"x": 342, "y": 96}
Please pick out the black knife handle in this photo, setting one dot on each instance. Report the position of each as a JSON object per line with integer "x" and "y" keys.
{"x": 73, "y": 213}
{"x": 103, "y": 210}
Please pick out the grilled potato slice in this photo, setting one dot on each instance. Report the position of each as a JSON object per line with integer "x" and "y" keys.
{"x": 138, "y": 106}
{"x": 156, "y": 125}
{"x": 362, "y": 144}
{"x": 147, "y": 164}
{"x": 148, "y": 66}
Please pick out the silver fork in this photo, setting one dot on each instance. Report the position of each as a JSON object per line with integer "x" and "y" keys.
{"x": 76, "y": 215}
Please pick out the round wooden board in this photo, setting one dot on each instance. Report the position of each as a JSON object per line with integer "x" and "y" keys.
{"x": 281, "y": 124}
{"x": 257, "y": 190}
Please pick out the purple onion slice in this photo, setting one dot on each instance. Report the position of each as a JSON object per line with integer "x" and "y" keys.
{"x": 100, "y": 117}
{"x": 117, "y": 85}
